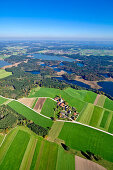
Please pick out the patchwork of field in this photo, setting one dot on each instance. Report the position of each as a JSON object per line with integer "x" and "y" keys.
{"x": 27, "y": 101}
{"x": 48, "y": 108}
{"x": 83, "y": 138}
{"x": 75, "y": 98}
{"x": 30, "y": 114}
{"x": 4, "y": 73}
{"x": 22, "y": 149}
{"x": 97, "y": 117}
{"x": 39, "y": 104}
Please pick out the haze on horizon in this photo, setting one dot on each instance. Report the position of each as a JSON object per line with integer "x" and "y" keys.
{"x": 59, "y": 19}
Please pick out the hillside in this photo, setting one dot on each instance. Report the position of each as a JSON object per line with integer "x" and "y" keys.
{"x": 87, "y": 136}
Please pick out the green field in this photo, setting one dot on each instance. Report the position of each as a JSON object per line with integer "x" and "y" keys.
{"x": 4, "y": 73}
{"x": 97, "y": 112}
{"x": 48, "y": 108}
{"x": 2, "y": 100}
{"x": 83, "y": 138}
{"x": 65, "y": 161}
{"x": 108, "y": 104}
{"x": 85, "y": 117}
{"x": 101, "y": 100}
{"x": 27, "y": 150}
{"x": 16, "y": 151}
{"x": 30, "y": 114}
{"x": 111, "y": 126}
{"x": 104, "y": 119}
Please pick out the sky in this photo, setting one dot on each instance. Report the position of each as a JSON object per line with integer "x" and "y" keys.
{"x": 66, "y": 19}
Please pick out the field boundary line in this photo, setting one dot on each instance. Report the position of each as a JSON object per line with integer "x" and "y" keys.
{"x": 86, "y": 126}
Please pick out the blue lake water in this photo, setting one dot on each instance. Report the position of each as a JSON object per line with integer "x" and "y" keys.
{"x": 4, "y": 63}
{"x": 107, "y": 87}
{"x": 105, "y": 75}
{"x": 52, "y": 57}
{"x": 34, "y": 72}
{"x": 78, "y": 83}
{"x": 80, "y": 64}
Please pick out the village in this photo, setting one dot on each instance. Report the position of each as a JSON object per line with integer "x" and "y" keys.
{"x": 64, "y": 111}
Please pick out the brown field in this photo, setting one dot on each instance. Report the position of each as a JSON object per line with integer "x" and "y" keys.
{"x": 61, "y": 73}
{"x": 84, "y": 164}
{"x": 39, "y": 104}
{"x": 96, "y": 100}
{"x": 27, "y": 101}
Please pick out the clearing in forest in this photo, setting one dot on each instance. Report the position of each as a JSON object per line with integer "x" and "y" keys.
{"x": 83, "y": 164}
{"x": 27, "y": 101}
{"x": 39, "y": 104}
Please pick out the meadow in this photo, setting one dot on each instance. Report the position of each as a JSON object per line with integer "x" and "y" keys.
{"x": 80, "y": 137}
{"x": 2, "y": 100}
{"x": 48, "y": 108}
{"x": 4, "y": 73}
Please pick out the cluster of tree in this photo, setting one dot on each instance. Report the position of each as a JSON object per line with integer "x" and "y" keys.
{"x": 41, "y": 131}
{"x": 10, "y": 118}
{"x": 15, "y": 59}
{"x": 89, "y": 155}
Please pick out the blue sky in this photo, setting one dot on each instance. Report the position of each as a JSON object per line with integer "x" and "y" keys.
{"x": 57, "y": 18}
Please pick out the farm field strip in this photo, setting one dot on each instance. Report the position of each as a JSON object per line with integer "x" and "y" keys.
{"x": 39, "y": 104}
{"x": 96, "y": 116}
{"x": 96, "y": 100}
{"x": 101, "y": 100}
{"x": 36, "y": 153}
{"x": 4, "y": 73}
{"x": 28, "y": 155}
{"x": 85, "y": 164}
{"x": 27, "y": 101}
{"x": 4, "y": 147}
{"x": 55, "y": 130}
{"x": 47, "y": 156}
{"x": 48, "y": 108}
{"x": 104, "y": 119}
{"x": 87, "y": 114}
{"x": 65, "y": 161}
{"x": 111, "y": 126}
{"x": 108, "y": 104}
{"x": 16, "y": 151}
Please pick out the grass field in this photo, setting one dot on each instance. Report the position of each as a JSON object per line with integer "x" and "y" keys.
{"x": 97, "y": 112}
{"x": 1, "y": 138}
{"x": 2, "y": 100}
{"x": 48, "y": 108}
{"x": 16, "y": 151}
{"x": 30, "y": 114}
{"x": 55, "y": 130}
{"x": 87, "y": 114}
{"x": 108, "y": 104}
{"x": 4, "y": 73}
{"x": 104, "y": 119}
{"x": 83, "y": 138}
{"x": 111, "y": 126}
{"x": 65, "y": 161}
{"x": 29, "y": 151}
{"x": 101, "y": 100}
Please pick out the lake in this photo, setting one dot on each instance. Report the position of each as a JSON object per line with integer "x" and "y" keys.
{"x": 4, "y": 63}
{"x": 52, "y": 57}
{"x": 107, "y": 87}
{"x": 33, "y": 72}
{"x": 80, "y": 64}
{"x": 78, "y": 83}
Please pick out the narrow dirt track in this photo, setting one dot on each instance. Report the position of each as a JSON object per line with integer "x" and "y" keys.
{"x": 96, "y": 100}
